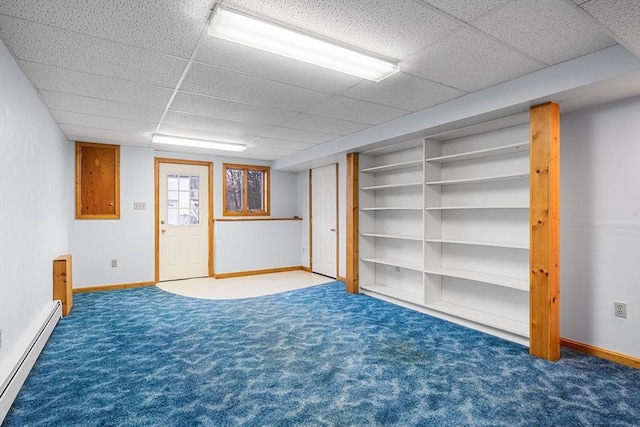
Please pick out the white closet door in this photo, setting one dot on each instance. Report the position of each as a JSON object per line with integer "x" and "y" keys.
{"x": 323, "y": 221}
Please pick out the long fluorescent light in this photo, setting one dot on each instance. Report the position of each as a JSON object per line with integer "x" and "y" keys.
{"x": 239, "y": 28}
{"x": 198, "y": 143}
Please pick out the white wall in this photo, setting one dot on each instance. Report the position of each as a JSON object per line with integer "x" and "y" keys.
{"x": 303, "y": 212}
{"x": 33, "y": 209}
{"x": 130, "y": 240}
{"x": 600, "y": 225}
{"x": 342, "y": 217}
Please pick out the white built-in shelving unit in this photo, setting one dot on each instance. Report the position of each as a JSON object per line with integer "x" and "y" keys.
{"x": 444, "y": 226}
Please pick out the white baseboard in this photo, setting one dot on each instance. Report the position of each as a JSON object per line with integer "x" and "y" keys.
{"x": 14, "y": 381}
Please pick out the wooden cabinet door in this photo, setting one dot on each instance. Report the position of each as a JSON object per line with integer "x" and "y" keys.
{"x": 97, "y": 181}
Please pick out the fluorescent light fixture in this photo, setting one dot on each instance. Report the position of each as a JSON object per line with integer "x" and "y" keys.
{"x": 239, "y": 28}
{"x": 198, "y": 143}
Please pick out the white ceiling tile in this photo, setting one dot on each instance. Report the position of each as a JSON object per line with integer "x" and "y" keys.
{"x": 278, "y": 144}
{"x": 255, "y": 62}
{"x": 168, "y": 26}
{"x": 101, "y": 122}
{"x": 258, "y": 149}
{"x": 324, "y": 124}
{"x": 100, "y": 107}
{"x": 556, "y": 34}
{"x": 247, "y": 89}
{"x": 474, "y": 64}
{"x": 393, "y": 29}
{"x": 298, "y": 135}
{"x": 466, "y": 10}
{"x": 51, "y": 46}
{"x": 405, "y": 91}
{"x": 230, "y": 110}
{"x": 92, "y": 85}
{"x": 91, "y": 134}
{"x": 340, "y": 107}
{"x": 203, "y": 134}
{"x": 210, "y": 124}
{"x": 620, "y": 17}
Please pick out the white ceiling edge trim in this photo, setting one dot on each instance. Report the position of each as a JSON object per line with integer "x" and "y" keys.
{"x": 510, "y": 97}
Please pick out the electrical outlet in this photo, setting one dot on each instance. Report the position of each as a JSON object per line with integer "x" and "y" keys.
{"x": 389, "y": 267}
{"x": 620, "y": 309}
{"x": 397, "y": 269}
{"x": 303, "y": 249}
{"x": 114, "y": 262}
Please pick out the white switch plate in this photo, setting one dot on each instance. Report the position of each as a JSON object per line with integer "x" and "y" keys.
{"x": 139, "y": 206}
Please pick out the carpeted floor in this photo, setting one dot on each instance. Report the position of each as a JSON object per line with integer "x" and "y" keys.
{"x": 311, "y": 357}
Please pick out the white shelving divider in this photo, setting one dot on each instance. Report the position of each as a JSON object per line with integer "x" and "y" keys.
{"x": 391, "y": 217}
{"x": 444, "y": 227}
{"x": 476, "y": 232}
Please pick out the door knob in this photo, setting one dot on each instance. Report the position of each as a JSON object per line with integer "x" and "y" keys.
{"x": 162, "y": 222}
{"x": 333, "y": 229}
{"x": 164, "y": 229}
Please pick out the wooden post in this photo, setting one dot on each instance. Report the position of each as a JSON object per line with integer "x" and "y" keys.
{"x": 544, "y": 214}
{"x": 353, "y": 228}
{"x": 62, "y": 282}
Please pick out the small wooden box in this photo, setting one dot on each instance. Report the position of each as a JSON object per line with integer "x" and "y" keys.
{"x": 62, "y": 282}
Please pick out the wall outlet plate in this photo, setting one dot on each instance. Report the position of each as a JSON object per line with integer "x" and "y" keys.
{"x": 114, "y": 263}
{"x": 620, "y": 309}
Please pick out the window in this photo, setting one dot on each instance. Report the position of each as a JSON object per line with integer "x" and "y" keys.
{"x": 183, "y": 199}
{"x": 246, "y": 190}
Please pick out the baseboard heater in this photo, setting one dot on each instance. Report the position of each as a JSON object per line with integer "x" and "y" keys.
{"x": 11, "y": 386}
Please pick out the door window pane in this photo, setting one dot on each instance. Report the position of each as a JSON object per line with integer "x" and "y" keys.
{"x": 183, "y": 200}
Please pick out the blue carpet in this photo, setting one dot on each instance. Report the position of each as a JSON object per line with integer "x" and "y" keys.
{"x": 311, "y": 357}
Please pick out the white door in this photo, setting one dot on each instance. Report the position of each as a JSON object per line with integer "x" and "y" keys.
{"x": 184, "y": 221}
{"x": 323, "y": 221}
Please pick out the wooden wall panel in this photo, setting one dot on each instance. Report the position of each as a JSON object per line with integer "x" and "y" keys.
{"x": 97, "y": 181}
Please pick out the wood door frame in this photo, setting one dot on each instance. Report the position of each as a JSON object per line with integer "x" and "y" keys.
{"x": 209, "y": 165}
{"x": 336, "y": 168}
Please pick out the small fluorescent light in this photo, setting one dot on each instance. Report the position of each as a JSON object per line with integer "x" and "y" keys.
{"x": 242, "y": 29}
{"x": 198, "y": 143}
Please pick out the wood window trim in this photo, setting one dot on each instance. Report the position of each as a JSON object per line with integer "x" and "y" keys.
{"x": 266, "y": 190}
{"x": 112, "y": 186}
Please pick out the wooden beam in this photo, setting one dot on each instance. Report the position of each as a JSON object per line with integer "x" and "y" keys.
{"x": 544, "y": 214}
{"x": 353, "y": 228}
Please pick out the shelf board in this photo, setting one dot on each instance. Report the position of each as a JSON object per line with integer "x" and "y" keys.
{"x": 396, "y": 263}
{"x": 488, "y": 319}
{"x": 389, "y": 291}
{"x": 390, "y": 208}
{"x": 393, "y": 166}
{"x": 393, "y": 236}
{"x": 392, "y": 186}
{"x": 477, "y": 154}
{"x": 512, "y": 245}
{"x": 507, "y": 282}
{"x": 480, "y": 179}
{"x": 444, "y": 208}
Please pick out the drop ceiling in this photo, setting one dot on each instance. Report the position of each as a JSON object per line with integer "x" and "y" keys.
{"x": 119, "y": 71}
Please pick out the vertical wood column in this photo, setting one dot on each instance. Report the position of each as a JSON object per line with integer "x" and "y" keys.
{"x": 544, "y": 214}
{"x": 353, "y": 228}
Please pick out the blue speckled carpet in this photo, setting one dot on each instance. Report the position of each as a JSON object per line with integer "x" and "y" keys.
{"x": 311, "y": 357}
